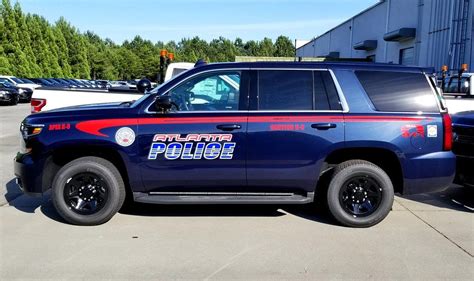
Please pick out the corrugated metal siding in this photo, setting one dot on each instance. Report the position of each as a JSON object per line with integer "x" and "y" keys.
{"x": 439, "y": 32}
{"x": 443, "y": 26}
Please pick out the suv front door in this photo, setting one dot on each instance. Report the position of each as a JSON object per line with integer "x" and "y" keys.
{"x": 200, "y": 144}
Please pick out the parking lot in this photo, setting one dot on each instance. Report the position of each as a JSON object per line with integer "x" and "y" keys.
{"x": 424, "y": 237}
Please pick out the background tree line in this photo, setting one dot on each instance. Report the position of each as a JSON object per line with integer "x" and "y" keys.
{"x": 30, "y": 46}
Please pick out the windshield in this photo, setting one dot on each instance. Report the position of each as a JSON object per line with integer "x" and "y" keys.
{"x": 7, "y": 84}
{"x": 17, "y": 80}
{"x": 27, "y": 81}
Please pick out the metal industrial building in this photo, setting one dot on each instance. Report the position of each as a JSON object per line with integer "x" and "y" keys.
{"x": 411, "y": 32}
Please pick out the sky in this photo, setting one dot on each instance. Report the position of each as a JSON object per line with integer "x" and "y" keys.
{"x": 168, "y": 20}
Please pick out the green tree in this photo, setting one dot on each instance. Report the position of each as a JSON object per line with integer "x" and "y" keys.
{"x": 43, "y": 42}
{"x": 191, "y": 50}
{"x": 221, "y": 50}
{"x": 25, "y": 41}
{"x": 251, "y": 48}
{"x": 77, "y": 49}
{"x": 5, "y": 67}
{"x": 11, "y": 42}
{"x": 266, "y": 48}
{"x": 284, "y": 47}
{"x": 62, "y": 50}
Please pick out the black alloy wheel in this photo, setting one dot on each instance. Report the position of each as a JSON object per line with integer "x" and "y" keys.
{"x": 86, "y": 193}
{"x": 361, "y": 195}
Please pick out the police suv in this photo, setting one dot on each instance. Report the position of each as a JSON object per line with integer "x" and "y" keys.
{"x": 352, "y": 134}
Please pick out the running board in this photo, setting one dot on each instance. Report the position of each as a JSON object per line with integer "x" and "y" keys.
{"x": 222, "y": 198}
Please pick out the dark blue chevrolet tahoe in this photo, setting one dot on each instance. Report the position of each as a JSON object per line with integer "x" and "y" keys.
{"x": 352, "y": 134}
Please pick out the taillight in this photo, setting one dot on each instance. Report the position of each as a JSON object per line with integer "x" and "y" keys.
{"x": 37, "y": 105}
{"x": 448, "y": 132}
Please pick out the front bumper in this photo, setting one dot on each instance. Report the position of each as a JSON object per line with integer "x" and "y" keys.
{"x": 29, "y": 174}
{"x": 25, "y": 96}
{"x": 7, "y": 97}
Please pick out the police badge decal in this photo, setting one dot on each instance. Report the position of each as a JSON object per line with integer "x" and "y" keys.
{"x": 125, "y": 136}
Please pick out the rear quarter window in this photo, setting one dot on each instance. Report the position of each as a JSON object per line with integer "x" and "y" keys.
{"x": 398, "y": 91}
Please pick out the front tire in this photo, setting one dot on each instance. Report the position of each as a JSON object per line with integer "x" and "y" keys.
{"x": 88, "y": 191}
{"x": 360, "y": 194}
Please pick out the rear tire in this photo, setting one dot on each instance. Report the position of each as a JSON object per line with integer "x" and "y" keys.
{"x": 360, "y": 194}
{"x": 88, "y": 191}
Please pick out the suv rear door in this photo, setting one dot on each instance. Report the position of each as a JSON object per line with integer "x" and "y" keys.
{"x": 296, "y": 119}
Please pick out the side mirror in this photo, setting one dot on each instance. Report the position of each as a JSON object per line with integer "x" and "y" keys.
{"x": 163, "y": 103}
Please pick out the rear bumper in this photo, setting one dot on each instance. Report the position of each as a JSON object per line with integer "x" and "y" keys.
{"x": 28, "y": 174}
{"x": 429, "y": 173}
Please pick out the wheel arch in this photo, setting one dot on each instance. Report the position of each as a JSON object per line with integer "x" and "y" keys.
{"x": 59, "y": 157}
{"x": 385, "y": 158}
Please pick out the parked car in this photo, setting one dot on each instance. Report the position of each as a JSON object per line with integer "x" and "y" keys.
{"x": 24, "y": 94}
{"x": 463, "y": 126}
{"x": 103, "y": 84}
{"x": 132, "y": 84}
{"x": 42, "y": 82}
{"x": 8, "y": 93}
{"x": 348, "y": 133}
{"x": 28, "y": 81}
{"x": 88, "y": 83}
{"x": 55, "y": 83}
{"x": 19, "y": 83}
{"x": 121, "y": 85}
{"x": 66, "y": 82}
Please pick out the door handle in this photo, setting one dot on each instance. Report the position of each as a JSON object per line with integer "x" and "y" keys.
{"x": 228, "y": 127}
{"x": 323, "y": 126}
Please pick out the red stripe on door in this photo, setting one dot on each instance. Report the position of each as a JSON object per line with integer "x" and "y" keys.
{"x": 94, "y": 127}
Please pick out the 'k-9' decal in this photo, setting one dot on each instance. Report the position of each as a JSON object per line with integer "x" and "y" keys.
{"x": 192, "y": 147}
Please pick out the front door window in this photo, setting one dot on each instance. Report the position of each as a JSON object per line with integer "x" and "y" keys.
{"x": 209, "y": 92}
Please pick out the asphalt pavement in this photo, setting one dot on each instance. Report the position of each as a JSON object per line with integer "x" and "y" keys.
{"x": 425, "y": 237}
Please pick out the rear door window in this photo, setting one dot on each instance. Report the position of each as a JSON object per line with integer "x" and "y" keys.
{"x": 297, "y": 90}
{"x": 285, "y": 90}
{"x": 398, "y": 91}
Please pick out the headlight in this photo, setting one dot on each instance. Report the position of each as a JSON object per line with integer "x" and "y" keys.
{"x": 21, "y": 91}
{"x": 29, "y": 130}
{"x": 2, "y": 94}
